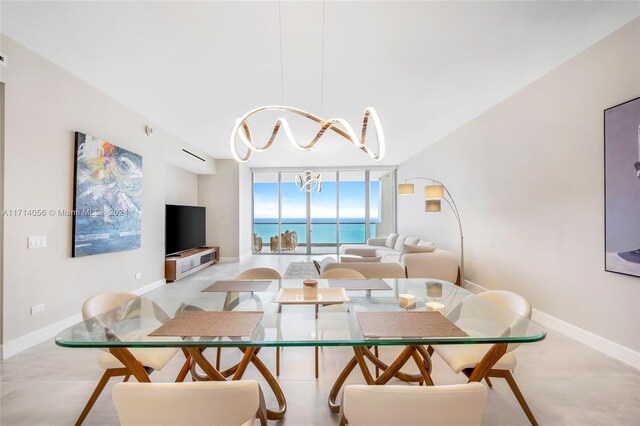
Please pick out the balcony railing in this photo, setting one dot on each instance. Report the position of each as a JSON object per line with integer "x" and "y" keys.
{"x": 322, "y": 234}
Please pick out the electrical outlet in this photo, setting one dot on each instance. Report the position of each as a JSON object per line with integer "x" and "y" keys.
{"x": 138, "y": 275}
{"x": 36, "y": 309}
{"x": 37, "y": 242}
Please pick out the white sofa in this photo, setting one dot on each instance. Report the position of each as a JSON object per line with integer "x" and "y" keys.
{"x": 367, "y": 269}
{"x": 439, "y": 264}
{"x": 376, "y": 247}
{"x": 397, "y": 260}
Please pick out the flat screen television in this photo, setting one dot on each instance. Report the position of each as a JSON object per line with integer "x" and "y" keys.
{"x": 184, "y": 228}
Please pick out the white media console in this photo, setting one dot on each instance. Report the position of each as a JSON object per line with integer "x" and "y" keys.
{"x": 188, "y": 262}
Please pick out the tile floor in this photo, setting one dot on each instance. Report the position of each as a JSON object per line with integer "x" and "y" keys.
{"x": 565, "y": 382}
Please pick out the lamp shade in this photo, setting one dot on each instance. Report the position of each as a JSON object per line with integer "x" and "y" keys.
{"x": 405, "y": 189}
{"x": 432, "y": 206}
{"x": 433, "y": 192}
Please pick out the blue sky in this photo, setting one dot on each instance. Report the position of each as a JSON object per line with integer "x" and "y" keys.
{"x": 323, "y": 204}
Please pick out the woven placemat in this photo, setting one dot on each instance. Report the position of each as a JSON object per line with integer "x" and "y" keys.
{"x": 210, "y": 324}
{"x": 407, "y": 324}
{"x": 226, "y": 286}
{"x": 373, "y": 284}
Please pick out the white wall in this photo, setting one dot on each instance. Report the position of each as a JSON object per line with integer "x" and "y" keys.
{"x": 45, "y": 105}
{"x": 245, "y": 213}
{"x": 219, "y": 193}
{"x": 181, "y": 186}
{"x": 528, "y": 179}
{"x": 2, "y": 110}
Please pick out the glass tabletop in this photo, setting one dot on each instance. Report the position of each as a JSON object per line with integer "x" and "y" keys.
{"x": 130, "y": 324}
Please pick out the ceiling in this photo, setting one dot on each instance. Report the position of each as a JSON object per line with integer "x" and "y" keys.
{"x": 427, "y": 67}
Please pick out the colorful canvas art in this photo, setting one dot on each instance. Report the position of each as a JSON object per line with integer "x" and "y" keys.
{"x": 107, "y": 198}
{"x": 622, "y": 188}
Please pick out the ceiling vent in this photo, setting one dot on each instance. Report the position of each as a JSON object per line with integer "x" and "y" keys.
{"x": 193, "y": 155}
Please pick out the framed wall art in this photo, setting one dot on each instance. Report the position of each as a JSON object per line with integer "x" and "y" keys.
{"x": 622, "y": 188}
{"x": 107, "y": 199}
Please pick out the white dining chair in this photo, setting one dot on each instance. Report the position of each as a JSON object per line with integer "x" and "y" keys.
{"x": 259, "y": 274}
{"x": 439, "y": 265}
{"x": 150, "y": 358}
{"x": 464, "y": 358}
{"x": 233, "y": 403}
{"x": 453, "y": 405}
{"x": 342, "y": 273}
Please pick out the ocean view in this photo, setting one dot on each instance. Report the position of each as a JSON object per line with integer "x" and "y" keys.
{"x": 323, "y": 231}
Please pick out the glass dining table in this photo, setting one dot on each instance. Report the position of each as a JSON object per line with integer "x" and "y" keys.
{"x": 301, "y": 325}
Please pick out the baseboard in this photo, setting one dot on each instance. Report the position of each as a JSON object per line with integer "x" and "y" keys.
{"x": 599, "y": 343}
{"x": 29, "y": 340}
{"x": 229, "y": 259}
{"x": 246, "y": 255}
{"x": 147, "y": 288}
{"x": 473, "y": 287}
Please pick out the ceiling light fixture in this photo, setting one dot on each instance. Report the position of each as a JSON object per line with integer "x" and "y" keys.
{"x": 309, "y": 181}
{"x": 340, "y": 126}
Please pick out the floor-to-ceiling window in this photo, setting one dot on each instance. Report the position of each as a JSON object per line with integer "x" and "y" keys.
{"x": 266, "y": 212}
{"x": 323, "y": 213}
{"x": 353, "y": 205}
{"x": 352, "y": 214}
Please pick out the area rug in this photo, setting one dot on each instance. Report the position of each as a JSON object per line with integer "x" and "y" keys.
{"x": 301, "y": 270}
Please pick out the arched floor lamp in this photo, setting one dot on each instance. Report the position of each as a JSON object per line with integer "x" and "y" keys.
{"x": 434, "y": 193}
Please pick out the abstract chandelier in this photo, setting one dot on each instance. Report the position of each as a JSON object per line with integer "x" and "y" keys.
{"x": 338, "y": 125}
{"x": 309, "y": 181}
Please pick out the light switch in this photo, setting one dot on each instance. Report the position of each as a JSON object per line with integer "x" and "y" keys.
{"x": 37, "y": 242}
{"x": 37, "y": 309}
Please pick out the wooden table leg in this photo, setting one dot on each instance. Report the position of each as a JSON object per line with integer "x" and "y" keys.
{"x": 200, "y": 360}
{"x": 334, "y": 406}
{"x": 426, "y": 357}
{"x": 395, "y": 365}
{"x": 185, "y": 367}
{"x": 488, "y": 361}
{"x": 361, "y": 354}
{"x": 137, "y": 370}
{"x": 363, "y": 365}
{"x": 275, "y": 388}
{"x": 184, "y": 370}
{"x": 377, "y": 354}
{"x": 423, "y": 369}
{"x": 382, "y": 366}
{"x": 108, "y": 374}
{"x": 246, "y": 359}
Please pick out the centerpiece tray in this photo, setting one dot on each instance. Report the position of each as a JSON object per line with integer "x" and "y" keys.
{"x": 326, "y": 296}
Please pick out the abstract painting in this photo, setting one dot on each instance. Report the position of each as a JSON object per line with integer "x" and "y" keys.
{"x": 622, "y": 188}
{"x": 107, "y": 198}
